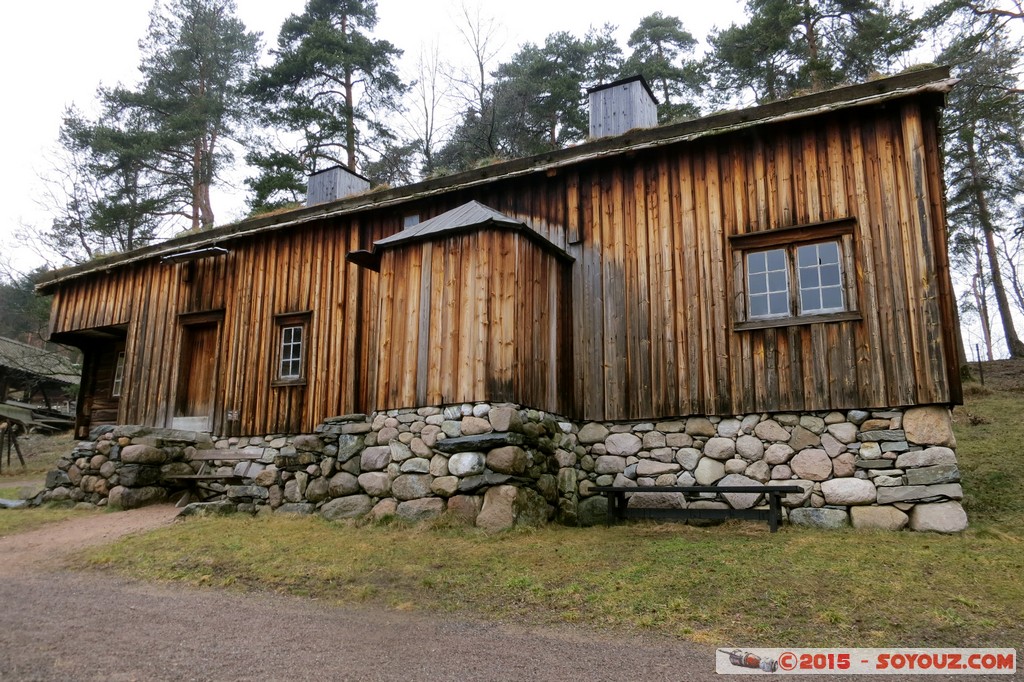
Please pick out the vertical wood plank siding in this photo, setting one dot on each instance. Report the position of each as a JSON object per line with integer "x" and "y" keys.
{"x": 475, "y": 316}
{"x": 639, "y": 326}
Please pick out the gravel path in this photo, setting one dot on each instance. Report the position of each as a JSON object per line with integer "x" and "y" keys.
{"x": 61, "y": 624}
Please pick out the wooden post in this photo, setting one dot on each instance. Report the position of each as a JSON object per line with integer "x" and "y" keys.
{"x": 981, "y": 370}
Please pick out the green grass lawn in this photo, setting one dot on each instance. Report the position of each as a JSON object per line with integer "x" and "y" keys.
{"x": 22, "y": 520}
{"x": 731, "y": 584}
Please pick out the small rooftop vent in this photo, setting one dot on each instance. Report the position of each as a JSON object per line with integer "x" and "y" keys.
{"x": 332, "y": 184}
{"x": 621, "y": 106}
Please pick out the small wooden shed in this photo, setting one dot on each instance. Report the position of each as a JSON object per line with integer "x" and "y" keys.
{"x": 474, "y": 305}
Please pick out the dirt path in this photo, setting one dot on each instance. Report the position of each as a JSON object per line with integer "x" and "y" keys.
{"x": 60, "y": 624}
{"x": 46, "y": 548}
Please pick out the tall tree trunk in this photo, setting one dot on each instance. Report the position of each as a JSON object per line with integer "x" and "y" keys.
{"x": 350, "y": 110}
{"x": 978, "y": 289}
{"x": 812, "y": 45}
{"x": 1013, "y": 342}
{"x": 197, "y": 159}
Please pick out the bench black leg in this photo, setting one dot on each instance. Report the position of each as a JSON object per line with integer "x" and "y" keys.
{"x": 773, "y": 512}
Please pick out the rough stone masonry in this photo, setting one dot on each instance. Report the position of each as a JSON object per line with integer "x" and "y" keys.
{"x": 499, "y": 465}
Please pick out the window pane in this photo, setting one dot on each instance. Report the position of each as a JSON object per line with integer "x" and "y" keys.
{"x": 759, "y": 305}
{"x": 756, "y": 262}
{"x": 759, "y": 284}
{"x": 828, "y": 252}
{"x": 806, "y": 256}
{"x": 776, "y": 259}
{"x": 832, "y": 298}
{"x": 777, "y": 281}
{"x": 830, "y": 275}
{"x": 810, "y": 299}
{"x": 808, "y": 277}
{"x": 779, "y": 303}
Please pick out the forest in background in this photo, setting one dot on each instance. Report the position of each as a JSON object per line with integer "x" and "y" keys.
{"x": 212, "y": 98}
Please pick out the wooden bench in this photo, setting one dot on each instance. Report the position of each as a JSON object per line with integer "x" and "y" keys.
{"x": 618, "y": 508}
{"x": 200, "y": 484}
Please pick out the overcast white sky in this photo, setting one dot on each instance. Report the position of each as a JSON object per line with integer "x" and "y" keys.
{"x": 56, "y": 53}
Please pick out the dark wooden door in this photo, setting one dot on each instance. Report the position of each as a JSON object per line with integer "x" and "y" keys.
{"x": 197, "y": 373}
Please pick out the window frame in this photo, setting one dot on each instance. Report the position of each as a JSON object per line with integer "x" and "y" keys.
{"x": 790, "y": 239}
{"x": 117, "y": 382}
{"x": 283, "y": 322}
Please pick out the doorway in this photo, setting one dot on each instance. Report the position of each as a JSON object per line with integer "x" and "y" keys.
{"x": 197, "y": 376}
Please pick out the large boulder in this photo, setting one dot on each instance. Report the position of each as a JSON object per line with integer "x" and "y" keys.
{"x": 818, "y": 518}
{"x": 412, "y": 486}
{"x": 930, "y": 425}
{"x": 421, "y": 509}
{"x": 708, "y": 471}
{"x": 941, "y": 517}
{"x": 932, "y": 456}
{"x": 657, "y": 501}
{"x": 342, "y": 484}
{"x": 740, "y": 500}
{"x": 880, "y": 518}
{"x": 465, "y": 508}
{"x": 142, "y": 454}
{"x": 375, "y": 458}
{"x": 505, "y": 506}
{"x": 466, "y": 464}
{"x": 720, "y": 448}
{"x": 813, "y": 464}
{"x": 592, "y": 433}
{"x": 375, "y": 483}
{"x": 133, "y": 498}
{"x": 592, "y": 511}
{"x": 623, "y": 444}
{"x": 848, "y": 491}
{"x": 139, "y": 475}
{"x": 507, "y": 460}
{"x": 350, "y": 507}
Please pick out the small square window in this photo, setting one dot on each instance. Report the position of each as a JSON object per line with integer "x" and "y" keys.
{"x": 291, "y": 352}
{"x": 292, "y": 348}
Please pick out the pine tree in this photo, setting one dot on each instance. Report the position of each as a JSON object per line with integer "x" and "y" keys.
{"x": 197, "y": 58}
{"x": 984, "y": 145}
{"x": 330, "y": 86}
{"x": 792, "y": 45}
{"x": 660, "y": 54}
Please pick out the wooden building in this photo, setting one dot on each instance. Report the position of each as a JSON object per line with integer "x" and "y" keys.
{"x": 789, "y": 257}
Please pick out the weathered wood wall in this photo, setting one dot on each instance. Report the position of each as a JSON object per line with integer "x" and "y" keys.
{"x": 655, "y": 332}
{"x": 650, "y": 321}
{"x": 475, "y": 316}
{"x": 289, "y": 271}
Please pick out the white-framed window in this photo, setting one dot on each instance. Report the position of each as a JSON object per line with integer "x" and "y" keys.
{"x": 797, "y": 275}
{"x": 767, "y": 283}
{"x": 118, "y": 383}
{"x": 291, "y": 352}
{"x": 820, "y": 274}
{"x": 291, "y": 357}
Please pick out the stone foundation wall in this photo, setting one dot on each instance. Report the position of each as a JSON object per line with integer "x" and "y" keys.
{"x": 500, "y": 465}
{"x": 872, "y": 469}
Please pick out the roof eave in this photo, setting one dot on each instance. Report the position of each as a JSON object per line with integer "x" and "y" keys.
{"x": 934, "y": 80}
